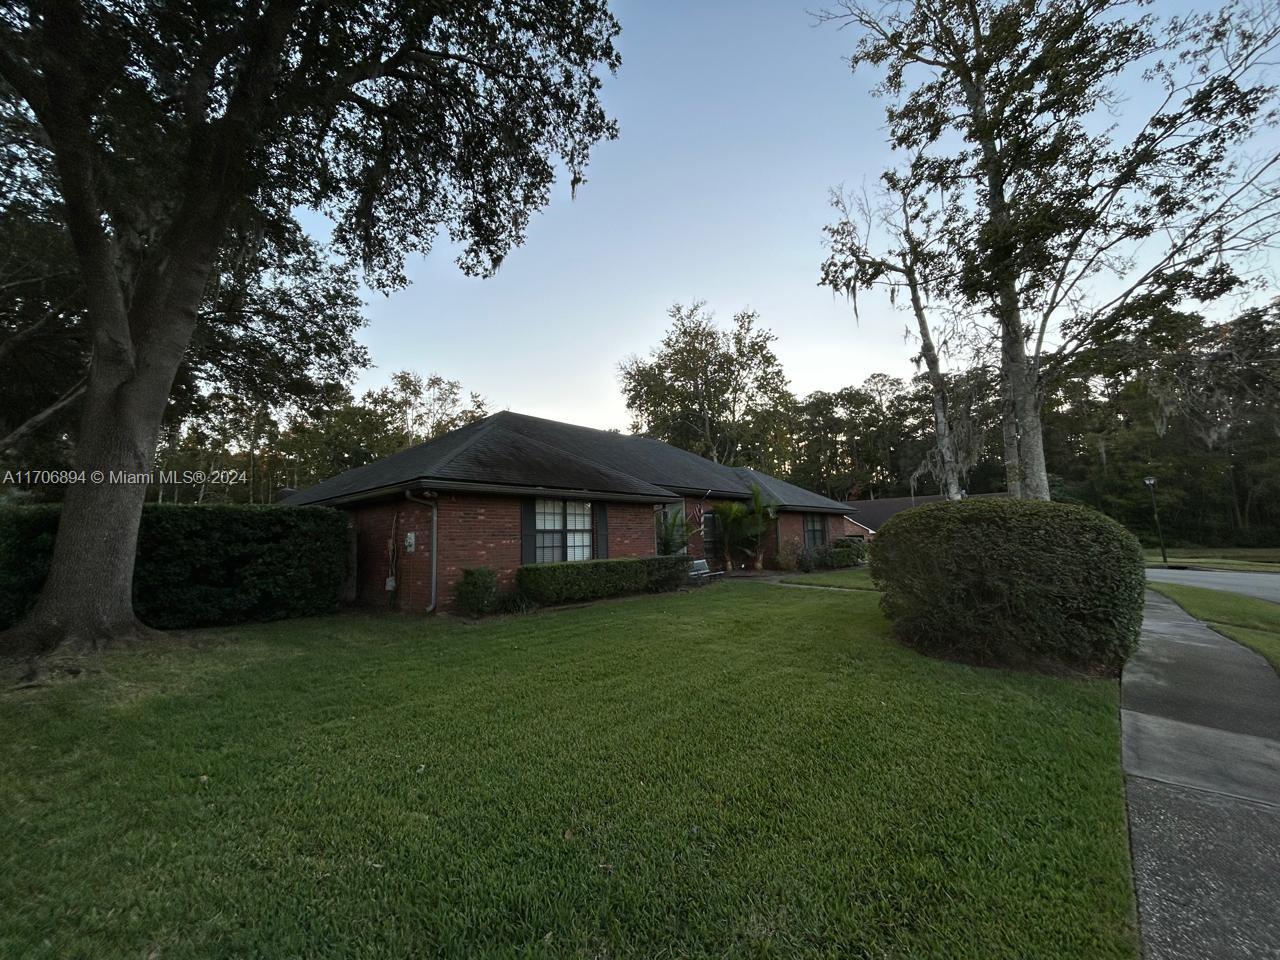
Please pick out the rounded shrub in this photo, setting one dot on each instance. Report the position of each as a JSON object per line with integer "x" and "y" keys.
{"x": 477, "y": 592}
{"x": 1012, "y": 581}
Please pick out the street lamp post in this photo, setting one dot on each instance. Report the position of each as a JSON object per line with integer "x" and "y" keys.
{"x": 1155, "y": 512}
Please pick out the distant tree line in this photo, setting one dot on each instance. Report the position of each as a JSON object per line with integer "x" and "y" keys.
{"x": 1201, "y": 413}
{"x": 268, "y": 451}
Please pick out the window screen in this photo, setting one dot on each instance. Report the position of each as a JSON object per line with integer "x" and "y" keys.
{"x": 562, "y": 530}
{"x": 577, "y": 530}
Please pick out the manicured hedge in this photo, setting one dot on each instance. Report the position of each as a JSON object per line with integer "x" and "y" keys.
{"x": 836, "y": 558}
{"x": 551, "y": 583}
{"x": 1009, "y": 581}
{"x": 26, "y": 544}
{"x": 199, "y": 565}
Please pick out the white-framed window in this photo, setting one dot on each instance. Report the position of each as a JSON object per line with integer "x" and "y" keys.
{"x": 577, "y": 530}
{"x": 815, "y": 530}
{"x": 562, "y": 530}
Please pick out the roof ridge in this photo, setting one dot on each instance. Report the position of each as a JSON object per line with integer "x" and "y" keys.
{"x": 562, "y": 423}
{"x": 483, "y": 426}
{"x": 753, "y": 473}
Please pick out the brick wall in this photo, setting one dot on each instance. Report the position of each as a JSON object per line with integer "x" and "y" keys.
{"x": 848, "y": 528}
{"x": 836, "y": 527}
{"x": 477, "y": 531}
{"x": 474, "y": 531}
{"x": 790, "y": 527}
{"x": 632, "y": 530}
{"x": 377, "y": 523}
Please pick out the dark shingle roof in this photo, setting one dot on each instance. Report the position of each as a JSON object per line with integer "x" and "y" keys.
{"x": 873, "y": 514}
{"x": 503, "y": 456}
{"x": 788, "y": 494}
{"x": 513, "y": 450}
{"x": 651, "y": 460}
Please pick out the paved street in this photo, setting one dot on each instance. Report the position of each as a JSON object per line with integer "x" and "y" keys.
{"x": 1264, "y": 585}
{"x": 1201, "y": 729}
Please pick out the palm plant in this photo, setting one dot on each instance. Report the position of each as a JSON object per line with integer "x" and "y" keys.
{"x": 731, "y": 517}
{"x": 673, "y": 533}
{"x": 743, "y": 529}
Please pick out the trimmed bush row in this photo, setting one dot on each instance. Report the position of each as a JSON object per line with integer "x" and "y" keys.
{"x": 198, "y": 565}
{"x": 844, "y": 552}
{"x": 551, "y": 583}
{"x": 1009, "y": 581}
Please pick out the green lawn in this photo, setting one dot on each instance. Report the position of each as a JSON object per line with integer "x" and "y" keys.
{"x": 856, "y": 578}
{"x": 1247, "y": 620}
{"x": 1257, "y": 560}
{"x": 738, "y": 771}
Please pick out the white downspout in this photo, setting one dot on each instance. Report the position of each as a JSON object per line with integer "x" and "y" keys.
{"x": 434, "y": 503}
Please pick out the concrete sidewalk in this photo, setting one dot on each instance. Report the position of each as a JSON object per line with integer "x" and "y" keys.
{"x": 1201, "y": 728}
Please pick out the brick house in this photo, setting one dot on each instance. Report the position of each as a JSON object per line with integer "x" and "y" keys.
{"x": 511, "y": 489}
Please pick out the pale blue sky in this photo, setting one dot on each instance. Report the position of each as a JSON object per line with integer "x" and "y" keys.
{"x": 736, "y": 120}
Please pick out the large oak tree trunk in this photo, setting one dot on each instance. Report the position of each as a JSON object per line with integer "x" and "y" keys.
{"x": 143, "y": 285}
{"x": 87, "y": 598}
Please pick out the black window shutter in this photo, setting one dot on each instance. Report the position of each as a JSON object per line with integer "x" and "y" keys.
{"x": 600, "y": 525}
{"x": 528, "y": 539}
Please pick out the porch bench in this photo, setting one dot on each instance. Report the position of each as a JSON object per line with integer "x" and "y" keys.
{"x": 701, "y": 572}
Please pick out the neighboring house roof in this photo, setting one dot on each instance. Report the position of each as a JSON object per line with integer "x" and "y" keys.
{"x": 872, "y": 514}
{"x": 514, "y": 452}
